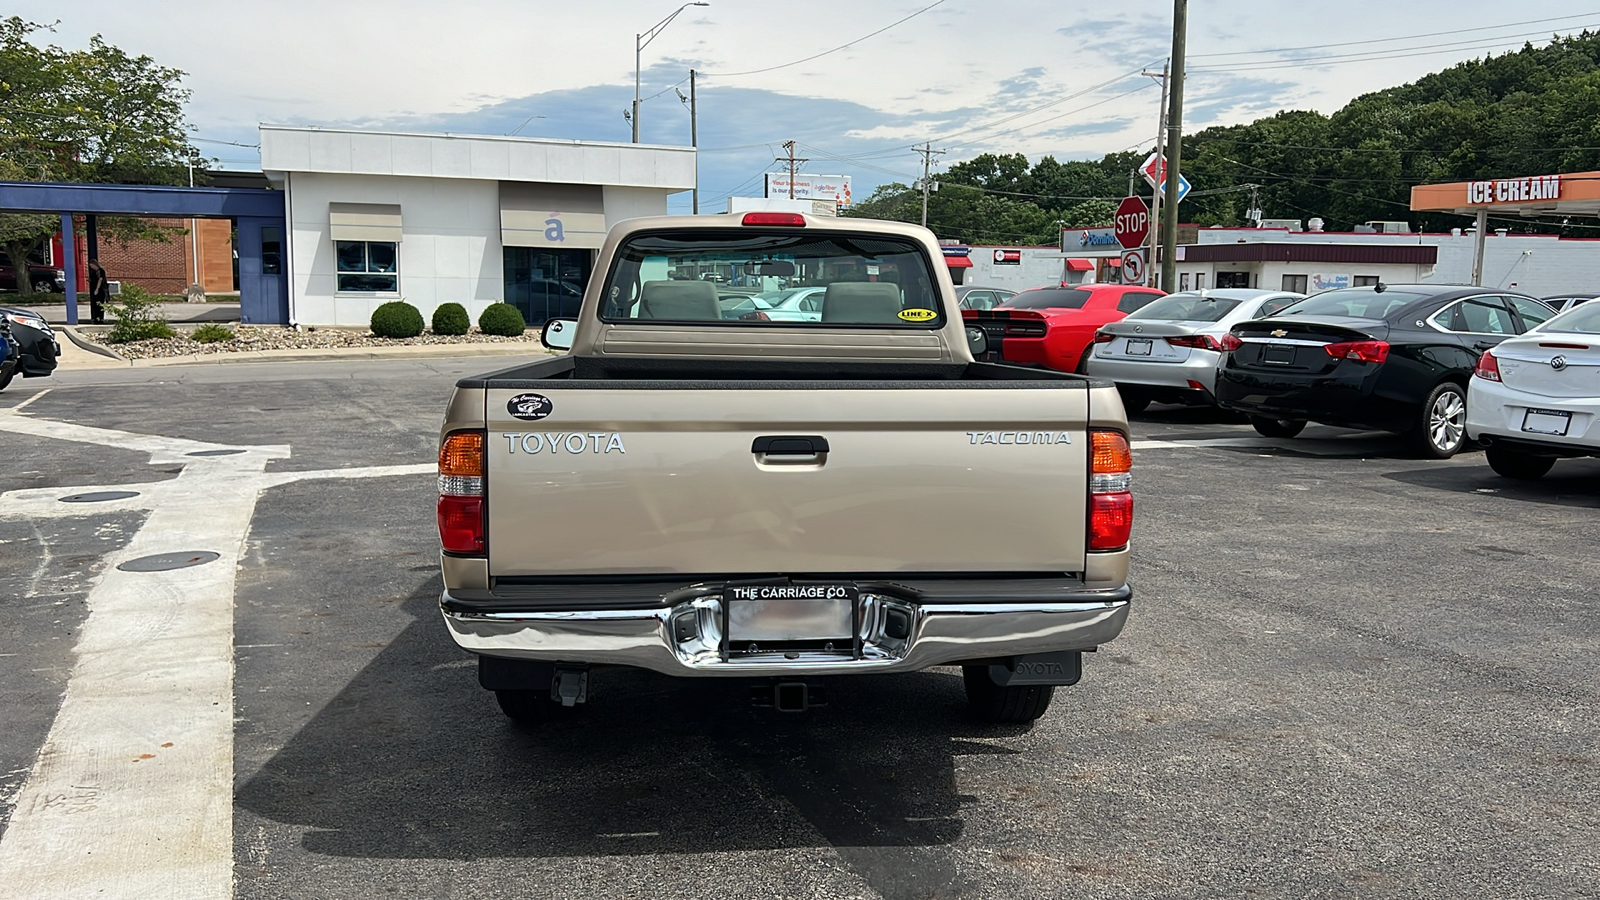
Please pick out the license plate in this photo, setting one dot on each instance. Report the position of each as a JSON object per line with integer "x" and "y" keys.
{"x": 1138, "y": 347}
{"x": 1278, "y": 355}
{"x": 1546, "y": 421}
{"x": 791, "y": 612}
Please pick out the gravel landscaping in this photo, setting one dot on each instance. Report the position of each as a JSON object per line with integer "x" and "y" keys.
{"x": 264, "y": 337}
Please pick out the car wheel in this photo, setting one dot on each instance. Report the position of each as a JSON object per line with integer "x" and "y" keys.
{"x": 1443, "y": 429}
{"x": 1083, "y": 362}
{"x": 1133, "y": 401}
{"x": 996, "y": 705}
{"x": 1276, "y": 428}
{"x": 1518, "y": 464}
{"x": 44, "y": 287}
{"x": 5, "y": 380}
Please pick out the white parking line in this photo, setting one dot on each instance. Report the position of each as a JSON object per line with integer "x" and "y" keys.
{"x": 23, "y": 405}
{"x": 131, "y": 795}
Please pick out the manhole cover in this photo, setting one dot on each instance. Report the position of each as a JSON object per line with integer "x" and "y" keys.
{"x": 99, "y": 496}
{"x": 163, "y": 562}
{"x": 213, "y": 453}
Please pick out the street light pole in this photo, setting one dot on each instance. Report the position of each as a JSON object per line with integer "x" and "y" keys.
{"x": 641, "y": 41}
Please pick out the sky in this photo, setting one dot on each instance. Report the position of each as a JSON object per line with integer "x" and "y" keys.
{"x": 1039, "y": 77}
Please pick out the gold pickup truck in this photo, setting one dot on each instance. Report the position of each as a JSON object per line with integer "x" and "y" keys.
{"x": 709, "y": 485}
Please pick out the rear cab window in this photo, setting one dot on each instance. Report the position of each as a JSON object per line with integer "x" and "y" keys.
{"x": 864, "y": 280}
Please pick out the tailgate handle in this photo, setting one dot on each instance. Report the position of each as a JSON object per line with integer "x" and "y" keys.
{"x": 790, "y": 445}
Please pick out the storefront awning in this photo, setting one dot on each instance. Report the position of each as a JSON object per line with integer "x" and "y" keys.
{"x": 364, "y": 222}
{"x": 1080, "y": 265}
{"x": 958, "y": 262}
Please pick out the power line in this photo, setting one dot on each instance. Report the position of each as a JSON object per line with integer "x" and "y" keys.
{"x": 1088, "y": 90}
{"x": 825, "y": 52}
{"x": 1346, "y": 59}
{"x": 1405, "y": 37}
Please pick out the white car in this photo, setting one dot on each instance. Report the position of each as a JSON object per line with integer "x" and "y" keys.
{"x": 794, "y": 304}
{"x": 1535, "y": 399}
{"x": 1168, "y": 350}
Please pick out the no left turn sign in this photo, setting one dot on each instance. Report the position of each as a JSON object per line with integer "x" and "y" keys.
{"x": 1133, "y": 267}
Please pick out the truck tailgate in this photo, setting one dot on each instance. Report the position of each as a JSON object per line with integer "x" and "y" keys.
{"x": 669, "y": 477}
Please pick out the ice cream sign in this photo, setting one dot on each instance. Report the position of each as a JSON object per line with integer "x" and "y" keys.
{"x": 1514, "y": 190}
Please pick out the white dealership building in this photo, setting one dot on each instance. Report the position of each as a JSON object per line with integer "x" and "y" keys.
{"x": 436, "y": 218}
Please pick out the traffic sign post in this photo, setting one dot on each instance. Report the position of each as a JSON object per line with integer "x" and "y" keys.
{"x": 1133, "y": 266}
{"x": 1133, "y": 222}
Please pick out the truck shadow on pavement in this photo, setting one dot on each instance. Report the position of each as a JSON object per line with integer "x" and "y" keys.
{"x": 413, "y": 760}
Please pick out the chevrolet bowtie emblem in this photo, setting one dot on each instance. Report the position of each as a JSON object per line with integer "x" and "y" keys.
{"x": 1279, "y": 333}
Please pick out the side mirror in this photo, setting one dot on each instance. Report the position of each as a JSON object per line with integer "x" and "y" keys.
{"x": 977, "y": 341}
{"x": 558, "y": 333}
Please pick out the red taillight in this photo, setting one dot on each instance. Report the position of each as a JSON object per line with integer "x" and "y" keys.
{"x": 1196, "y": 341}
{"x": 1110, "y": 490}
{"x": 1104, "y": 337}
{"x": 1360, "y": 351}
{"x": 1230, "y": 343}
{"x": 792, "y": 220}
{"x": 461, "y": 524}
{"x": 757, "y": 316}
{"x": 1566, "y": 346}
{"x": 461, "y": 492}
{"x": 1488, "y": 367}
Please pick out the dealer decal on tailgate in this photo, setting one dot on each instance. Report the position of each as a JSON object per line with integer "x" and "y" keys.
{"x": 571, "y": 444}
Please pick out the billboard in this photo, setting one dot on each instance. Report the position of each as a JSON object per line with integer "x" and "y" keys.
{"x": 810, "y": 187}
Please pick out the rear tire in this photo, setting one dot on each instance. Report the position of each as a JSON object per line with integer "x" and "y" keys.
{"x": 1518, "y": 464}
{"x": 1083, "y": 361}
{"x": 5, "y": 380}
{"x": 1442, "y": 429}
{"x": 996, "y": 705}
{"x": 1133, "y": 401}
{"x": 1276, "y": 428}
{"x": 524, "y": 707}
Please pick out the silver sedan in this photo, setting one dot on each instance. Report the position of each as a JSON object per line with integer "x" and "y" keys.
{"x": 1168, "y": 351}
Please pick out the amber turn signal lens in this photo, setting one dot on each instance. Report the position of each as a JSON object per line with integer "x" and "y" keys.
{"x": 1111, "y": 453}
{"x": 462, "y": 454}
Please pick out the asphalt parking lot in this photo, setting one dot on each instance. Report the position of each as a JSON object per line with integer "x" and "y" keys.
{"x": 1349, "y": 673}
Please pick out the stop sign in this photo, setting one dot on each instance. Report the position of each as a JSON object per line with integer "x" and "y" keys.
{"x": 1133, "y": 222}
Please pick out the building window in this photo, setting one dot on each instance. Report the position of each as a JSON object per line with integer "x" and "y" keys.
{"x": 1199, "y": 281}
{"x": 1364, "y": 280}
{"x": 271, "y": 250}
{"x": 1296, "y": 283}
{"x": 1183, "y": 281}
{"x": 367, "y": 266}
{"x": 1233, "y": 279}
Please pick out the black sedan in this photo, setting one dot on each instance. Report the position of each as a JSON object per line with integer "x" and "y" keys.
{"x": 36, "y": 342}
{"x": 1391, "y": 357}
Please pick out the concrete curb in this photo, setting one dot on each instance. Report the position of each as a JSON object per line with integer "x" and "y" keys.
{"x": 90, "y": 346}
{"x": 363, "y": 353}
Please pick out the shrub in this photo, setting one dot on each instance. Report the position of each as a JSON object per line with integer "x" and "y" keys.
{"x": 211, "y": 333}
{"x": 451, "y": 318}
{"x": 502, "y": 319}
{"x": 138, "y": 315}
{"x": 396, "y": 319}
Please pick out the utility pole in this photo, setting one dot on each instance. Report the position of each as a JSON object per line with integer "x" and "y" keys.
{"x": 1155, "y": 194}
{"x": 792, "y": 160}
{"x": 1169, "y": 228}
{"x": 694, "y": 140}
{"x": 928, "y": 153}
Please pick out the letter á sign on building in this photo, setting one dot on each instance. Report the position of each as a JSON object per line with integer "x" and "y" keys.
{"x": 1133, "y": 222}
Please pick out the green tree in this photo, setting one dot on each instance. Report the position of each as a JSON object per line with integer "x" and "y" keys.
{"x": 97, "y": 116}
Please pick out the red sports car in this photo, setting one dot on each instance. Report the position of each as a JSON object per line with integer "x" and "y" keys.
{"x": 1053, "y": 326}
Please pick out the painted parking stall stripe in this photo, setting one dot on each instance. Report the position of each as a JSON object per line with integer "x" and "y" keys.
{"x": 132, "y": 793}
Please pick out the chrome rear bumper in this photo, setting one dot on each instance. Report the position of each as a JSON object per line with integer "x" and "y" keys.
{"x": 685, "y": 639}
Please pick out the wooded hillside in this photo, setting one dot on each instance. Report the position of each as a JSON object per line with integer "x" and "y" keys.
{"x": 1532, "y": 111}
